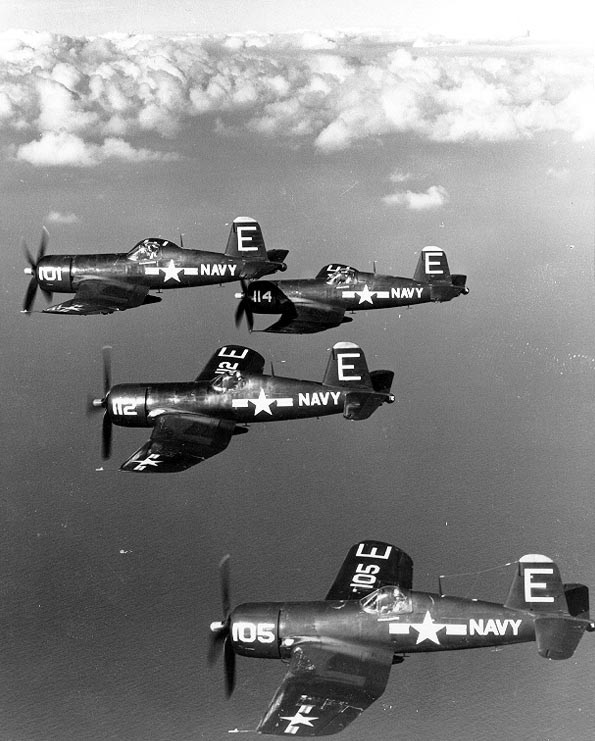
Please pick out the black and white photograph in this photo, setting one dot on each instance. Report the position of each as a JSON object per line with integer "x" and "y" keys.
{"x": 381, "y": 219}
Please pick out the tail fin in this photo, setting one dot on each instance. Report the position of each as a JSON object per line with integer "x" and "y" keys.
{"x": 561, "y": 611}
{"x": 347, "y": 366}
{"x": 245, "y": 240}
{"x": 537, "y": 586}
{"x": 432, "y": 266}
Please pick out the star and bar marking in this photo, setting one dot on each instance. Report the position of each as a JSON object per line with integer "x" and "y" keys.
{"x": 300, "y": 718}
{"x": 263, "y": 403}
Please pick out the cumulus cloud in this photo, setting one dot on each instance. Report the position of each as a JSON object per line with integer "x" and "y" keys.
{"x": 66, "y": 149}
{"x": 331, "y": 90}
{"x": 58, "y": 217}
{"x": 434, "y": 197}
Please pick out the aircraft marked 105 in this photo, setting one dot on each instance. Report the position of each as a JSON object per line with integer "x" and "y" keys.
{"x": 339, "y": 650}
{"x": 530, "y": 585}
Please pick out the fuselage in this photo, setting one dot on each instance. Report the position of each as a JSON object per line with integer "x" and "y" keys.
{"x": 244, "y": 399}
{"x": 429, "y": 623}
{"x": 171, "y": 267}
{"x": 366, "y": 291}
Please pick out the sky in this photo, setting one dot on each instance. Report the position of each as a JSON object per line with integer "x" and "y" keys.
{"x": 350, "y": 145}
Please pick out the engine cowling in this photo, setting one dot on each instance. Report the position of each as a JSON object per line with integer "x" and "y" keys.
{"x": 254, "y": 630}
{"x": 54, "y": 273}
{"x": 266, "y": 297}
{"x": 126, "y": 405}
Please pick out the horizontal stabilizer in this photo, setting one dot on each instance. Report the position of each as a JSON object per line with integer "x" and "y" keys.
{"x": 361, "y": 405}
{"x": 382, "y": 380}
{"x": 277, "y": 255}
{"x": 558, "y": 637}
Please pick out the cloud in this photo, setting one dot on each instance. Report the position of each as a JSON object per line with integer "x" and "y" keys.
{"x": 63, "y": 149}
{"x": 57, "y": 217}
{"x": 331, "y": 91}
{"x": 434, "y": 197}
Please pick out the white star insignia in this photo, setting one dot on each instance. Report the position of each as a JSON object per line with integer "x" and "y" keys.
{"x": 297, "y": 719}
{"x": 171, "y": 272}
{"x": 366, "y": 295}
{"x": 262, "y": 404}
{"x": 151, "y": 460}
{"x": 428, "y": 629}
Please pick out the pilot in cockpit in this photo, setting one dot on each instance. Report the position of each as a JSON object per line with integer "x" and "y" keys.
{"x": 387, "y": 601}
{"x": 227, "y": 382}
{"x": 341, "y": 277}
{"x": 146, "y": 251}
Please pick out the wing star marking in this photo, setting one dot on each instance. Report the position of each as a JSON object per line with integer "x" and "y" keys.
{"x": 150, "y": 460}
{"x": 299, "y": 719}
{"x": 171, "y": 272}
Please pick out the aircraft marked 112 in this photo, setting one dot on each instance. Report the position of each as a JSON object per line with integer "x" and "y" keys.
{"x": 195, "y": 420}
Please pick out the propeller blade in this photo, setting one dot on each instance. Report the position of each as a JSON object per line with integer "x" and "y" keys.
{"x": 30, "y": 295}
{"x": 45, "y": 238}
{"x": 245, "y": 308}
{"x": 216, "y": 645}
{"x": 230, "y": 667}
{"x": 28, "y": 255}
{"x": 106, "y": 352}
{"x": 224, "y": 580}
{"x": 106, "y": 437}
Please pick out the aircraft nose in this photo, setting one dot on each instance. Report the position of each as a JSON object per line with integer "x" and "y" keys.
{"x": 28, "y": 271}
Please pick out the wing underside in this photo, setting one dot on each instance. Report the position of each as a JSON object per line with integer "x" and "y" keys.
{"x": 96, "y": 296}
{"x": 232, "y": 359}
{"x": 179, "y": 441}
{"x": 370, "y": 565}
{"x": 326, "y": 687}
{"x": 308, "y": 318}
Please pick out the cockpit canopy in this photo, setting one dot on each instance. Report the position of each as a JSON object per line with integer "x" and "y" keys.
{"x": 387, "y": 601}
{"x": 150, "y": 250}
{"x": 342, "y": 276}
{"x": 227, "y": 382}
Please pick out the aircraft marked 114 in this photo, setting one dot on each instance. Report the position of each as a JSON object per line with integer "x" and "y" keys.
{"x": 340, "y": 651}
{"x": 104, "y": 283}
{"x": 315, "y": 304}
{"x": 195, "y": 420}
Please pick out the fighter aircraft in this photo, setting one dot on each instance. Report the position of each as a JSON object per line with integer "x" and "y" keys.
{"x": 340, "y": 650}
{"x": 106, "y": 283}
{"x": 195, "y": 420}
{"x": 315, "y": 304}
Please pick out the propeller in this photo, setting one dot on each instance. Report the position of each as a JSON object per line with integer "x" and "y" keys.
{"x": 95, "y": 404}
{"x": 32, "y": 271}
{"x": 245, "y": 308}
{"x": 221, "y": 630}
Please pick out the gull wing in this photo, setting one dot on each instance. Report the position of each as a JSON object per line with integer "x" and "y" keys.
{"x": 231, "y": 359}
{"x": 326, "y": 687}
{"x": 179, "y": 441}
{"x": 368, "y": 566}
{"x": 94, "y": 296}
{"x": 307, "y": 317}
